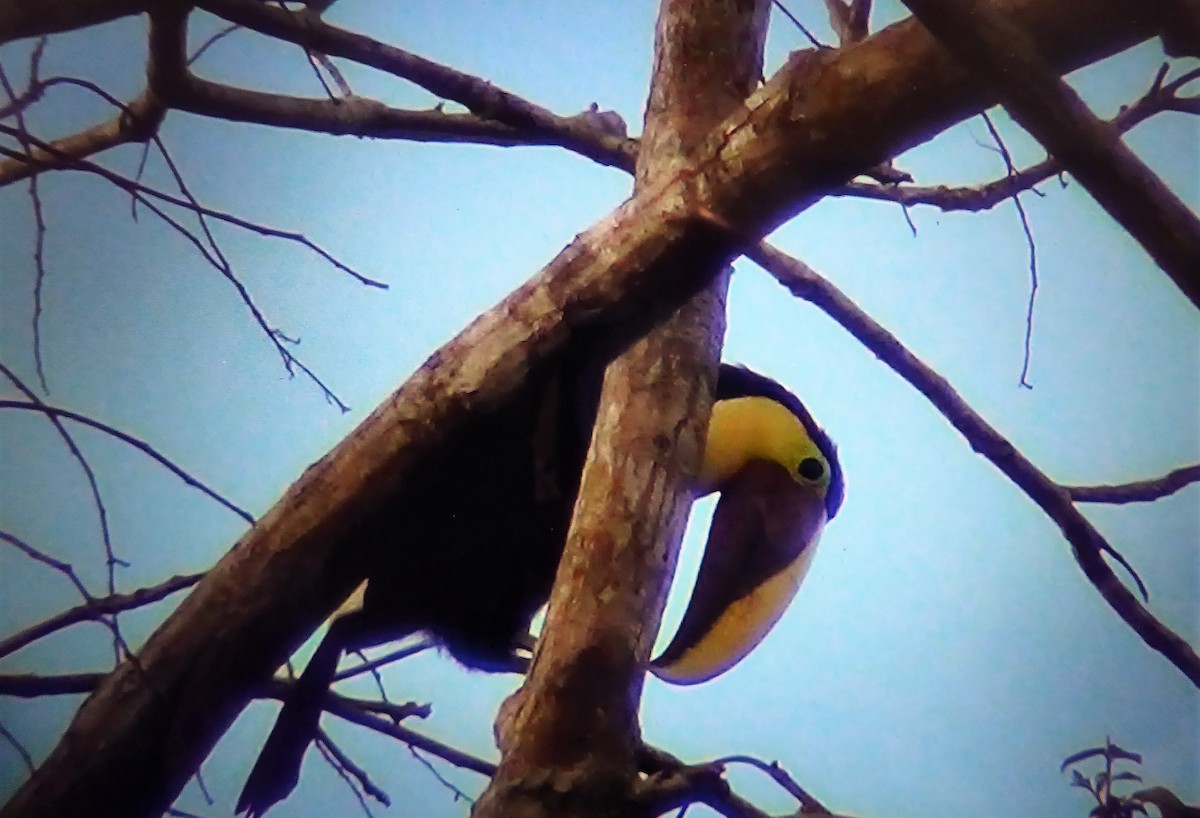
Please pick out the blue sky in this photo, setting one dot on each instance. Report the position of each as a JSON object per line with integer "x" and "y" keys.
{"x": 945, "y": 652}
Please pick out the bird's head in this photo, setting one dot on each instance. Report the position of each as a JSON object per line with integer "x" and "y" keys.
{"x": 780, "y": 482}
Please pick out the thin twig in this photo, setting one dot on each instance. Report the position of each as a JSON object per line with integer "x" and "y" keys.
{"x": 1138, "y": 491}
{"x": 368, "y": 786}
{"x": 324, "y": 747}
{"x": 39, "y": 218}
{"x": 96, "y": 608}
{"x": 1033, "y": 265}
{"x": 211, "y": 41}
{"x": 63, "y": 568}
{"x": 110, "y": 556}
{"x": 81, "y": 164}
{"x": 215, "y": 257}
{"x": 7, "y": 735}
{"x": 386, "y": 659}
{"x": 140, "y": 445}
{"x": 445, "y": 782}
{"x": 781, "y": 777}
{"x": 1159, "y": 98}
{"x": 803, "y": 30}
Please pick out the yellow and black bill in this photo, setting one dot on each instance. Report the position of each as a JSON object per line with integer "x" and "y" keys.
{"x": 762, "y": 539}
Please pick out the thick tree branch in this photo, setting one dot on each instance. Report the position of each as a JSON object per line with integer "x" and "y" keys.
{"x": 819, "y": 121}
{"x": 1091, "y": 150}
{"x": 22, "y": 18}
{"x": 569, "y": 737}
{"x": 1087, "y": 543}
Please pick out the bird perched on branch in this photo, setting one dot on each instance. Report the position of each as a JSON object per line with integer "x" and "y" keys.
{"x": 469, "y": 553}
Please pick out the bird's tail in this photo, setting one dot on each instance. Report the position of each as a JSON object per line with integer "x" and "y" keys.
{"x": 278, "y": 767}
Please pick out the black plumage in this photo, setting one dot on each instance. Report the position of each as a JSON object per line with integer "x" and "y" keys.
{"x": 470, "y": 552}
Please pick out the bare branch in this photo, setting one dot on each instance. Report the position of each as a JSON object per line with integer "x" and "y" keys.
{"x": 95, "y": 609}
{"x": 16, "y": 744}
{"x": 1157, "y": 99}
{"x": 1140, "y": 491}
{"x": 613, "y": 282}
{"x": 1090, "y": 149}
{"x": 137, "y": 121}
{"x": 780, "y": 776}
{"x": 340, "y": 707}
{"x": 1087, "y": 543}
{"x": 39, "y": 248}
{"x": 64, "y": 568}
{"x": 441, "y": 779}
{"x": 89, "y": 475}
{"x": 679, "y": 785}
{"x": 350, "y": 772}
{"x": 479, "y": 96}
{"x": 212, "y": 254}
{"x": 358, "y": 711}
{"x": 796, "y": 22}
{"x": 140, "y": 445}
{"x": 1032, "y": 248}
{"x": 387, "y": 659}
{"x": 55, "y": 159}
{"x": 20, "y": 18}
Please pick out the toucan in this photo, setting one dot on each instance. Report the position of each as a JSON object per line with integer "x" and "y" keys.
{"x": 469, "y": 555}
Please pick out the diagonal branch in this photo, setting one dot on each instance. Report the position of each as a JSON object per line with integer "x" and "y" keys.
{"x": 96, "y": 608}
{"x": 1140, "y": 491}
{"x": 1091, "y": 150}
{"x": 137, "y": 122}
{"x": 89, "y": 474}
{"x": 819, "y": 121}
{"x": 141, "y": 445}
{"x": 1087, "y": 544}
{"x": 479, "y": 96}
{"x": 1158, "y": 99}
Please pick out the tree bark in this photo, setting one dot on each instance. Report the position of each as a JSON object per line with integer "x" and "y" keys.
{"x": 570, "y": 736}
{"x": 23, "y": 18}
{"x": 819, "y": 121}
{"x": 1091, "y": 150}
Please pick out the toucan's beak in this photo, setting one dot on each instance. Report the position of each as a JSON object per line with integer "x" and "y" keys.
{"x": 760, "y": 544}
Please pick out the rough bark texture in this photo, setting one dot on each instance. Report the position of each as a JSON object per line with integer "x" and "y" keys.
{"x": 570, "y": 735}
{"x": 1091, "y": 150}
{"x": 820, "y": 120}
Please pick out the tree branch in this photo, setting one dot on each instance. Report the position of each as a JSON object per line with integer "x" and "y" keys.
{"x": 821, "y": 120}
{"x": 140, "y": 445}
{"x": 1091, "y": 150}
{"x": 95, "y": 609}
{"x": 1087, "y": 543}
{"x": 569, "y": 737}
{"x": 21, "y": 18}
{"x": 1157, "y": 99}
{"x": 479, "y": 96}
{"x": 137, "y": 122}
{"x": 1140, "y": 491}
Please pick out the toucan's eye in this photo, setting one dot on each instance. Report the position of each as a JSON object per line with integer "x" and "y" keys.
{"x": 810, "y": 468}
